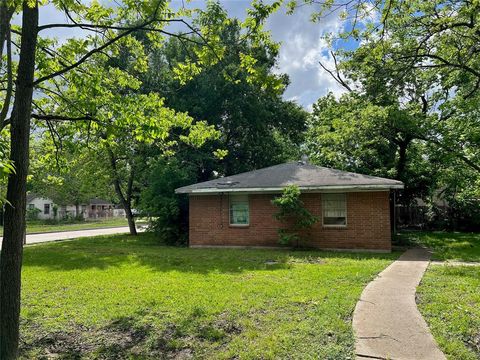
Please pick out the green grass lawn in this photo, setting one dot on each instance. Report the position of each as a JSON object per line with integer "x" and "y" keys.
{"x": 447, "y": 245}
{"x": 129, "y": 297}
{"x": 449, "y": 300}
{"x": 42, "y": 227}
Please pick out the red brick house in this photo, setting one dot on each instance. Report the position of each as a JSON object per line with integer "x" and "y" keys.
{"x": 354, "y": 209}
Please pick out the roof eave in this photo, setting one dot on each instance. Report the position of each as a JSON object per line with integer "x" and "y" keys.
{"x": 376, "y": 187}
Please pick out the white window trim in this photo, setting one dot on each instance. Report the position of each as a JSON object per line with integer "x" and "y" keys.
{"x": 346, "y": 213}
{"x": 230, "y": 213}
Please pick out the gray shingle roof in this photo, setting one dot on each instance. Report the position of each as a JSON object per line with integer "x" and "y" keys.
{"x": 305, "y": 176}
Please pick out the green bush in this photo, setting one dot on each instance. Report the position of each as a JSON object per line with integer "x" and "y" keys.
{"x": 32, "y": 214}
{"x": 293, "y": 214}
{"x": 167, "y": 211}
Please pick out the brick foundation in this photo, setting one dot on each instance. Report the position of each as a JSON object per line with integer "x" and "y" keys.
{"x": 368, "y": 222}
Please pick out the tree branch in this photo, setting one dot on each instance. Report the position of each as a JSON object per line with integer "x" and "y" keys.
{"x": 336, "y": 76}
{"x": 91, "y": 53}
{"x": 6, "y": 104}
{"x": 61, "y": 117}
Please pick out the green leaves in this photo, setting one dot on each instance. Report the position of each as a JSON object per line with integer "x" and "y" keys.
{"x": 293, "y": 214}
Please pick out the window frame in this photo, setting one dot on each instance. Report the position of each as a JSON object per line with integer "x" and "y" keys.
{"x": 231, "y": 200}
{"x": 45, "y": 207}
{"x": 323, "y": 211}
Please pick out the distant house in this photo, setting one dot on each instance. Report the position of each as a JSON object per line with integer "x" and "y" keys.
{"x": 95, "y": 209}
{"x": 353, "y": 209}
{"x": 100, "y": 208}
{"x": 43, "y": 206}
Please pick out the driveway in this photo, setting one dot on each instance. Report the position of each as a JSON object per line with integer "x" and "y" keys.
{"x": 65, "y": 235}
{"x": 386, "y": 320}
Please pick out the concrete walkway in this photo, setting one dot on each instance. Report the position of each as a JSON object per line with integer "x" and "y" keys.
{"x": 65, "y": 235}
{"x": 386, "y": 320}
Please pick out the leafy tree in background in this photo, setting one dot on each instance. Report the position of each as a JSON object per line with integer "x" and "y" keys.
{"x": 418, "y": 64}
{"x": 355, "y": 134}
{"x": 258, "y": 128}
{"x": 169, "y": 212}
{"x": 71, "y": 178}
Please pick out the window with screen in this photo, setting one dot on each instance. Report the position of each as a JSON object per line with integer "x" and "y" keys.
{"x": 46, "y": 209}
{"x": 239, "y": 210}
{"x": 334, "y": 209}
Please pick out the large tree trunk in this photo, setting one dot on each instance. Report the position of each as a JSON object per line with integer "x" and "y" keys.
{"x": 14, "y": 228}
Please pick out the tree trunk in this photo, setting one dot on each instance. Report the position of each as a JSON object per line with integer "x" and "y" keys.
{"x": 402, "y": 158}
{"x": 125, "y": 200}
{"x": 14, "y": 229}
{"x": 130, "y": 219}
{"x": 6, "y": 13}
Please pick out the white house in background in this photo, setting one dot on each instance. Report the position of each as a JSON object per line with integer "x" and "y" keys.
{"x": 44, "y": 205}
{"x": 95, "y": 209}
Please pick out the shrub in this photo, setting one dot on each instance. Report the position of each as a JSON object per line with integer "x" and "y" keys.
{"x": 293, "y": 214}
{"x": 168, "y": 212}
{"x": 32, "y": 214}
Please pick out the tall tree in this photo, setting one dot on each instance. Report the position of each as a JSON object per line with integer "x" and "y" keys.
{"x": 258, "y": 127}
{"x": 419, "y": 62}
{"x": 42, "y": 61}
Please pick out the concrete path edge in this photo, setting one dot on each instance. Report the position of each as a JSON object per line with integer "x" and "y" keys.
{"x": 386, "y": 320}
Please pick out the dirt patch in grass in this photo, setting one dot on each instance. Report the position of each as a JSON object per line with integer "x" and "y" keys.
{"x": 124, "y": 339}
{"x": 474, "y": 343}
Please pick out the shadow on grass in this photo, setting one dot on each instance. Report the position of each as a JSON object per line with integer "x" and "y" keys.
{"x": 127, "y": 336}
{"x": 145, "y": 250}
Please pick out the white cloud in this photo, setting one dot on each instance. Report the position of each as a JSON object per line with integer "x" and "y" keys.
{"x": 303, "y": 47}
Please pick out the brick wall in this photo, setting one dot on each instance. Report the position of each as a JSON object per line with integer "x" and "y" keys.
{"x": 368, "y": 222}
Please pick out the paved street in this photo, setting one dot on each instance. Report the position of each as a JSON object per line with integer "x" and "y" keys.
{"x": 65, "y": 235}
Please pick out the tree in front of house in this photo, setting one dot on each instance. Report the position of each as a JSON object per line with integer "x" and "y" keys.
{"x": 295, "y": 218}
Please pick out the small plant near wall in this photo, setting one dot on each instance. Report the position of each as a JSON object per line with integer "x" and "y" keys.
{"x": 293, "y": 214}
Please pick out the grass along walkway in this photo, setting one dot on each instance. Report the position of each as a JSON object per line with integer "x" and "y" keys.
{"x": 42, "y": 227}
{"x": 449, "y": 299}
{"x": 452, "y": 246}
{"x": 121, "y": 297}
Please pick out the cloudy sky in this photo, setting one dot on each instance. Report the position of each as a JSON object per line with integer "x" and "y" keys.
{"x": 301, "y": 50}
{"x": 301, "y": 41}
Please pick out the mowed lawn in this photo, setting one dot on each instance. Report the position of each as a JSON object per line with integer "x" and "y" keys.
{"x": 129, "y": 297}
{"x": 449, "y": 296}
{"x": 453, "y": 246}
{"x": 449, "y": 299}
{"x": 39, "y": 226}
